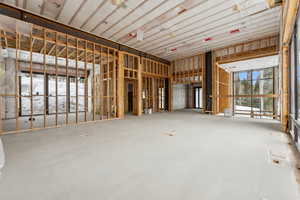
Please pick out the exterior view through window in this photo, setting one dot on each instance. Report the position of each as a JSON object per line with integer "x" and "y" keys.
{"x": 255, "y": 91}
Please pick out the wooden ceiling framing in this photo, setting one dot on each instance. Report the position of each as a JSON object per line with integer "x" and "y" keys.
{"x": 67, "y": 46}
{"x": 178, "y": 25}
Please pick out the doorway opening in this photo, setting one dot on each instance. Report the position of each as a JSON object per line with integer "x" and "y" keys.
{"x": 130, "y": 97}
{"x": 198, "y": 98}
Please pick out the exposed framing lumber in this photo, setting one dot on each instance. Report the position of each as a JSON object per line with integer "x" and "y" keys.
{"x": 284, "y": 89}
{"x": 139, "y": 88}
{"x": 48, "y": 42}
{"x": 17, "y": 82}
{"x": 289, "y": 18}
{"x": 94, "y": 85}
{"x": 267, "y": 46}
{"x": 290, "y": 9}
{"x": 115, "y": 84}
{"x": 45, "y": 78}
{"x": 120, "y": 87}
{"x": 76, "y": 82}
{"x": 67, "y": 78}
{"x": 24, "y": 15}
{"x": 108, "y": 113}
{"x": 86, "y": 95}
{"x": 31, "y": 83}
{"x": 56, "y": 82}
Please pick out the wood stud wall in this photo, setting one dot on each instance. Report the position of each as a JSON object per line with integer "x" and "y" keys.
{"x": 188, "y": 70}
{"x": 257, "y": 48}
{"x": 93, "y": 64}
{"x": 222, "y": 95}
{"x": 154, "y": 90}
{"x": 108, "y": 70}
{"x": 101, "y": 70}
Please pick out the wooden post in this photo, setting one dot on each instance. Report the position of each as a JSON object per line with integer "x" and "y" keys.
{"x": 85, "y": 82}
{"x": 56, "y": 82}
{"x": 76, "y": 81}
{"x": 94, "y": 85}
{"x": 114, "y": 83}
{"x": 170, "y": 94}
{"x": 45, "y": 76}
{"x": 139, "y": 89}
{"x": 154, "y": 102}
{"x": 120, "y": 86}
{"x": 203, "y": 79}
{"x": 108, "y": 113}
{"x": 67, "y": 79}
{"x": 17, "y": 89}
{"x": 170, "y": 88}
{"x": 31, "y": 83}
{"x": 214, "y": 85}
{"x": 285, "y": 93}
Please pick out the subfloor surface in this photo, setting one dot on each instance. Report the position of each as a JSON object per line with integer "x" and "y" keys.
{"x": 165, "y": 156}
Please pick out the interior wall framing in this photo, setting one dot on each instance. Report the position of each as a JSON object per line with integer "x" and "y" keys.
{"x": 60, "y": 78}
{"x": 262, "y": 47}
{"x": 71, "y": 80}
{"x": 155, "y": 84}
{"x": 189, "y": 71}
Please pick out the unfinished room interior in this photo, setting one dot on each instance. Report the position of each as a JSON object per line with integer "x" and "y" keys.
{"x": 149, "y": 99}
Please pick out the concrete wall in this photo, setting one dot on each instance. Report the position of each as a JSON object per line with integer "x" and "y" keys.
{"x": 179, "y": 96}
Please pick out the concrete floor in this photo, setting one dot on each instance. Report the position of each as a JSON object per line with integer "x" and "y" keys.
{"x": 24, "y": 123}
{"x": 209, "y": 158}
